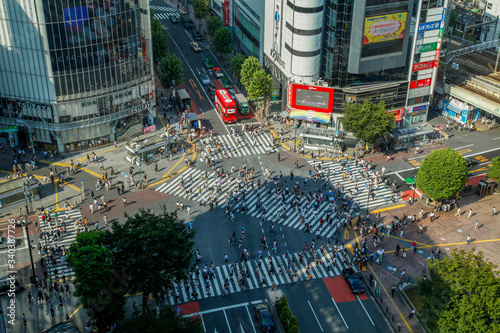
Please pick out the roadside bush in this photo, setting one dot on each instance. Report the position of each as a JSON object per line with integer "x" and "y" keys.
{"x": 285, "y": 317}
{"x": 293, "y": 329}
{"x": 292, "y": 322}
{"x": 280, "y": 304}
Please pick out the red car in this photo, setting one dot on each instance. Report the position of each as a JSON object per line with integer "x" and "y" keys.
{"x": 217, "y": 72}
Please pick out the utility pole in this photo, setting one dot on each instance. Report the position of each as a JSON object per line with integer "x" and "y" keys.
{"x": 25, "y": 225}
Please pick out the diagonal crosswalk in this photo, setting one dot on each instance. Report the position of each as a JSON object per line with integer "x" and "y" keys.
{"x": 285, "y": 269}
{"x": 66, "y": 221}
{"x": 241, "y": 144}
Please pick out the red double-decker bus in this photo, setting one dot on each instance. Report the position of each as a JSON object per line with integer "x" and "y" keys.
{"x": 225, "y": 105}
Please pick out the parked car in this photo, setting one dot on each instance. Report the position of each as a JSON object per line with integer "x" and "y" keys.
{"x": 266, "y": 322}
{"x": 197, "y": 35}
{"x": 217, "y": 72}
{"x": 204, "y": 79}
{"x": 226, "y": 82}
{"x": 207, "y": 62}
{"x": 471, "y": 162}
{"x": 195, "y": 46}
{"x": 174, "y": 19}
{"x": 353, "y": 281}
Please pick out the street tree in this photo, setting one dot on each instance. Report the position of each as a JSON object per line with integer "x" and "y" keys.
{"x": 222, "y": 40}
{"x": 367, "y": 121}
{"x": 443, "y": 174}
{"x": 236, "y": 63}
{"x": 462, "y": 294}
{"x": 213, "y": 23}
{"x": 249, "y": 67}
{"x": 171, "y": 71}
{"x": 166, "y": 322}
{"x": 259, "y": 89}
{"x": 155, "y": 251}
{"x": 200, "y": 9}
{"x": 494, "y": 171}
{"x": 160, "y": 45}
{"x": 99, "y": 285}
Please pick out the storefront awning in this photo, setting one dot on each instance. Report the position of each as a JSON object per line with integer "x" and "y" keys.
{"x": 318, "y": 117}
{"x": 398, "y": 118}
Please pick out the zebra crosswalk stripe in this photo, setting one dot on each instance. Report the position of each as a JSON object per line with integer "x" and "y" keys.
{"x": 244, "y": 146}
{"x": 254, "y": 281}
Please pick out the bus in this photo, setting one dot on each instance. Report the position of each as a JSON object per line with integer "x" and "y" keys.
{"x": 225, "y": 105}
{"x": 241, "y": 104}
{"x": 183, "y": 99}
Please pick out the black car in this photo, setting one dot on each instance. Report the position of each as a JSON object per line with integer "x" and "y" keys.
{"x": 264, "y": 317}
{"x": 353, "y": 281}
{"x": 197, "y": 35}
{"x": 211, "y": 90}
{"x": 471, "y": 162}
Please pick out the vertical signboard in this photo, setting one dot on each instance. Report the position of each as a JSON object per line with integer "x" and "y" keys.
{"x": 226, "y": 13}
{"x": 277, "y": 26}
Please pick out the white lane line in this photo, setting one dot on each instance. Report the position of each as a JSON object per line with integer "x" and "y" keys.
{"x": 251, "y": 321}
{"x": 497, "y": 138}
{"x": 314, "y": 313}
{"x": 203, "y": 322}
{"x": 365, "y": 310}
{"x": 397, "y": 174}
{"x": 227, "y": 321}
{"x": 341, "y": 316}
{"x": 463, "y": 147}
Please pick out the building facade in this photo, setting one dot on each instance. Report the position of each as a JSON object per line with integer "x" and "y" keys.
{"x": 362, "y": 49}
{"x": 74, "y": 74}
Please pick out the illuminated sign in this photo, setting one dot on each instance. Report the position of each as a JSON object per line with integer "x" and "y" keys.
{"x": 310, "y": 98}
{"x": 429, "y": 26}
{"x": 384, "y": 28}
{"x": 423, "y": 65}
{"x": 426, "y": 48}
{"x": 419, "y": 108}
{"x": 226, "y": 13}
{"x": 420, "y": 83}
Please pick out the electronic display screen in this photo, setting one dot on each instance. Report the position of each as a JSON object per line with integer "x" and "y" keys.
{"x": 312, "y": 98}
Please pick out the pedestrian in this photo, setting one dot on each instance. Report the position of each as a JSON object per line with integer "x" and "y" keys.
{"x": 470, "y": 213}
{"x": 394, "y": 270}
{"x": 25, "y": 323}
{"x": 52, "y": 311}
{"x": 393, "y": 290}
{"x": 493, "y": 210}
{"x": 432, "y": 216}
{"x": 459, "y": 212}
{"x": 401, "y": 234}
{"x": 226, "y": 258}
{"x": 188, "y": 209}
{"x": 91, "y": 208}
{"x": 124, "y": 202}
{"x": 105, "y": 219}
{"x": 476, "y": 226}
{"x": 468, "y": 239}
{"x": 412, "y": 313}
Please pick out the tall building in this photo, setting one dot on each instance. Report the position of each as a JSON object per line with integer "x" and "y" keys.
{"x": 323, "y": 53}
{"x": 74, "y": 74}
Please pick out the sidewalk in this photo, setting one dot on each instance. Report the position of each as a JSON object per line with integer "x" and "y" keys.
{"x": 446, "y": 233}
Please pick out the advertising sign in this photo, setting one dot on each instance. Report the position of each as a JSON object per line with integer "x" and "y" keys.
{"x": 384, "y": 28}
{"x": 277, "y": 26}
{"x": 419, "y": 108}
{"x": 420, "y": 83}
{"x": 426, "y": 48}
{"x": 428, "y": 26}
{"x": 275, "y": 94}
{"x": 423, "y": 65}
{"x": 226, "y": 13}
{"x": 311, "y": 98}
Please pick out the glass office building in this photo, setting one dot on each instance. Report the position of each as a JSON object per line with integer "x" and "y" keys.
{"x": 74, "y": 74}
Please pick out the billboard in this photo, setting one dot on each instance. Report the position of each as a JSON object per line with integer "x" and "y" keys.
{"x": 226, "y": 13}
{"x": 277, "y": 26}
{"x": 384, "y": 28}
{"x": 310, "y": 98}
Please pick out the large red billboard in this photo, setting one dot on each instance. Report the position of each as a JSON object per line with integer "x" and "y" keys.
{"x": 310, "y": 98}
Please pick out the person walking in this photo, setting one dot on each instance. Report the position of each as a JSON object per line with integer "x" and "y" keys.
{"x": 468, "y": 239}
{"x": 124, "y": 202}
{"x": 105, "y": 219}
{"x": 470, "y": 213}
{"x": 432, "y": 216}
{"x": 476, "y": 226}
{"x": 412, "y": 313}
{"x": 459, "y": 212}
{"x": 393, "y": 290}
{"x": 493, "y": 211}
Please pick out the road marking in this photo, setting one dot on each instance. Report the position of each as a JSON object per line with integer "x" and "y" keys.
{"x": 251, "y": 321}
{"x": 239, "y": 305}
{"x": 397, "y": 174}
{"x": 159, "y": 116}
{"x": 227, "y": 321}
{"x": 199, "y": 95}
{"x": 182, "y": 55}
{"x": 464, "y": 147}
{"x": 365, "y": 310}
{"x": 74, "y": 312}
{"x": 314, "y": 313}
{"x": 497, "y": 138}
{"x": 341, "y": 316}
{"x": 193, "y": 84}
{"x": 386, "y": 209}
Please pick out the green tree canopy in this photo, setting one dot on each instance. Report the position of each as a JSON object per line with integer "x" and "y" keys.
{"x": 249, "y": 67}
{"x": 160, "y": 45}
{"x": 260, "y": 89}
{"x": 155, "y": 251}
{"x": 236, "y": 63}
{"x": 200, "y": 9}
{"x": 367, "y": 121}
{"x": 166, "y": 322}
{"x": 101, "y": 292}
{"x": 222, "y": 40}
{"x": 443, "y": 173}
{"x": 462, "y": 294}
{"x": 171, "y": 69}
{"x": 213, "y": 24}
{"x": 494, "y": 171}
